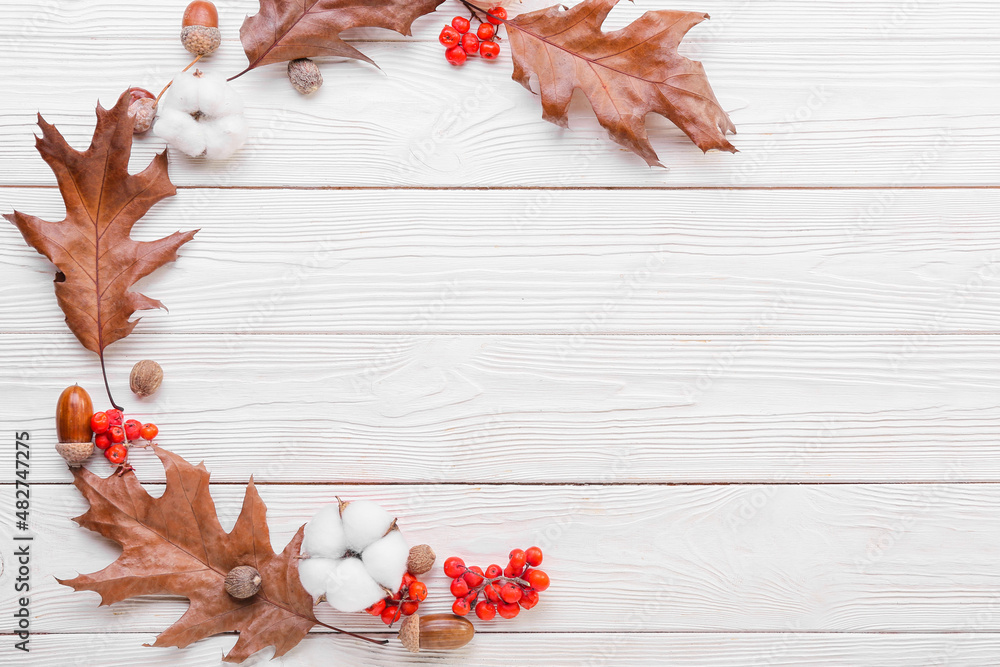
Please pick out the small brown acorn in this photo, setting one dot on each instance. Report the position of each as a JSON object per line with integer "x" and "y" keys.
{"x": 435, "y": 632}
{"x": 243, "y": 581}
{"x": 421, "y": 559}
{"x": 73, "y": 411}
{"x": 200, "y": 28}
{"x": 141, "y": 108}
{"x": 145, "y": 378}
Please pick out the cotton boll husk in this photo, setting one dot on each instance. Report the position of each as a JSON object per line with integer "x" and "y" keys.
{"x": 364, "y": 522}
{"x": 324, "y": 534}
{"x": 224, "y": 136}
{"x": 351, "y": 588}
{"x": 385, "y": 559}
{"x": 314, "y": 573}
{"x": 184, "y": 93}
{"x": 181, "y": 131}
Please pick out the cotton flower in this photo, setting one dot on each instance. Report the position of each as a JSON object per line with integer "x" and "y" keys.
{"x": 202, "y": 115}
{"x": 353, "y": 553}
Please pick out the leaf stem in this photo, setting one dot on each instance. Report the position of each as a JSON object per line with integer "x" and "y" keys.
{"x": 107, "y": 387}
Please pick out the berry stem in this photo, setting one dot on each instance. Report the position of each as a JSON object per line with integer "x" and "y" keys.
{"x": 170, "y": 83}
{"x": 472, "y": 8}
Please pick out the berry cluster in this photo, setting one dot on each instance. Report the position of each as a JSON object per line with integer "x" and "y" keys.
{"x": 460, "y": 43}
{"x": 113, "y": 435}
{"x": 403, "y": 602}
{"x": 505, "y": 590}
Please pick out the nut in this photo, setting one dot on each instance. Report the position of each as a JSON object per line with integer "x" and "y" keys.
{"x": 435, "y": 632}
{"x": 304, "y": 75}
{"x": 73, "y": 412}
{"x": 420, "y": 560}
{"x": 243, "y": 581}
{"x": 145, "y": 378}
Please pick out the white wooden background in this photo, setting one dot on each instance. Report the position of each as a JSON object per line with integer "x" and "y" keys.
{"x": 748, "y": 404}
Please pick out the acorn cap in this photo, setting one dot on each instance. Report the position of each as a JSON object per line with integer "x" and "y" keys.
{"x": 409, "y": 633}
{"x": 243, "y": 581}
{"x": 75, "y": 453}
{"x": 420, "y": 560}
{"x": 200, "y": 40}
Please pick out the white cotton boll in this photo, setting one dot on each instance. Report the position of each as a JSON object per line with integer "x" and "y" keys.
{"x": 212, "y": 95}
{"x": 181, "y": 131}
{"x": 386, "y": 559}
{"x": 314, "y": 573}
{"x": 232, "y": 103}
{"x": 324, "y": 534}
{"x": 351, "y": 588}
{"x": 364, "y": 522}
{"x": 183, "y": 93}
{"x": 224, "y": 136}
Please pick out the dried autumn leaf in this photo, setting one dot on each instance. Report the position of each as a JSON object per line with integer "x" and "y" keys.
{"x": 175, "y": 545}
{"x": 625, "y": 74}
{"x": 96, "y": 258}
{"x": 289, "y": 29}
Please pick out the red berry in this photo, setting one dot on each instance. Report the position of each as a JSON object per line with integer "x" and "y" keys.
{"x": 461, "y": 24}
{"x": 459, "y": 588}
{"x": 148, "y": 431}
{"x": 99, "y": 422}
{"x": 497, "y": 14}
{"x": 456, "y": 55}
{"x": 491, "y": 593}
{"x": 538, "y": 580}
{"x": 533, "y": 556}
{"x": 377, "y": 608}
{"x": 454, "y": 567}
{"x": 116, "y": 454}
{"x": 449, "y": 36}
{"x": 485, "y": 31}
{"x": 508, "y": 610}
{"x": 418, "y": 591}
{"x": 461, "y": 607}
{"x": 470, "y": 43}
{"x": 115, "y": 417}
{"x": 407, "y": 579}
{"x": 486, "y": 611}
{"x": 510, "y": 592}
{"x": 489, "y": 50}
{"x": 117, "y": 434}
{"x": 102, "y": 441}
{"x": 409, "y": 607}
{"x": 529, "y": 599}
{"x": 473, "y": 576}
{"x": 493, "y": 571}
{"x": 132, "y": 428}
{"x": 389, "y": 614}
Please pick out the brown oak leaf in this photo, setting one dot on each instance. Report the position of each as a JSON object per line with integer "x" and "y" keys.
{"x": 175, "y": 545}
{"x": 625, "y": 74}
{"x": 91, "y": 247}
{"x": 289, "y": 29}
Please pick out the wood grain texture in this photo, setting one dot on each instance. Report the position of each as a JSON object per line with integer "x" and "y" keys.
{"x": 773, "y": 21}
{"x": 557, "y": 649}
{"x": 809, "y": 113}
{"x": 916, "y": 262}
{"x": 486, "y": 409}
{"x": 915, "y": 558}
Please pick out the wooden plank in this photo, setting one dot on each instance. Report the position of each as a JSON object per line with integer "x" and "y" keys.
{"x": 773, "y": 21}
{"x": 491, "y": 409}
{"x": 576, "y": 648}
{"x": 872, "y": 558}
{"x": 919, "y": 262}
{"x": 810, "y": 114}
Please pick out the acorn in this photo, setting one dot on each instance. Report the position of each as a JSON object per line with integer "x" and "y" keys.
{"x": 435, "y": 632}
{"x": 200, "y": 28}
{"x": 243, "y": 581}
{"x": 73, "y": 411}
{"x": 420, "y": 560}
{"x": 145, "y": 378}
